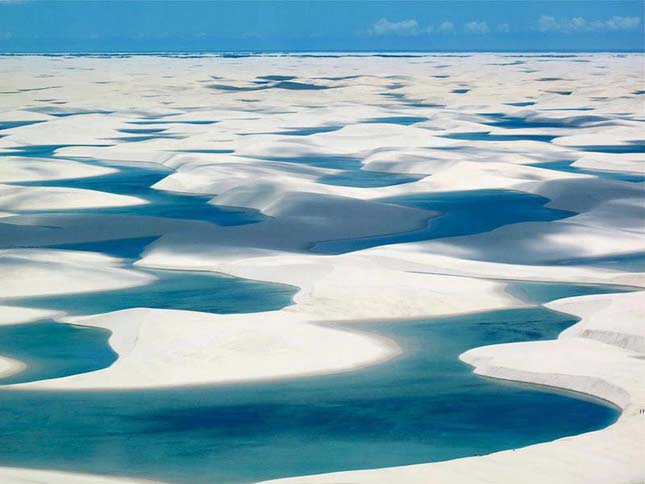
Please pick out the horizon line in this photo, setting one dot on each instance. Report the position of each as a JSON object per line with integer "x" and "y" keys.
{"x": 300, "y": 52}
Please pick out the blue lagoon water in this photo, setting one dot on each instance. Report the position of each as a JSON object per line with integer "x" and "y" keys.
{"x": 36, "y": 151}
{"x": 636, "y": 147}
{"x": 137, "y": 181}
{"x": 462, "y": 213}
{"x": 54, "y": 350}
{"x": 544, "y": 292}
{"x": 404, "y": 120}
{"x": 633, "y": 262}
{"x": 487, "y": 136}
{"x": 367, "y": 179}
{"x": 15, "y": 124}
{"x": 308, "y": 131}
{"x": 420, "y": 407}
{"x": 197, "y": 291}
{"x": 352, "y": 174}
{"x": 566, "y": 166}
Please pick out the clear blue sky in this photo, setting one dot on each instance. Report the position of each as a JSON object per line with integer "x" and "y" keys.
{"x": 324, "y": 25}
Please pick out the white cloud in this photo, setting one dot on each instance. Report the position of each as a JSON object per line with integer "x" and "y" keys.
{"x": 402, "y": 27}
{"x": 477, "y": 27}
{"x": 547, "y": 23}
{"x": 623, "y": 23}
{"x": 411, "y": 27}
{"x": 446, "y": 27}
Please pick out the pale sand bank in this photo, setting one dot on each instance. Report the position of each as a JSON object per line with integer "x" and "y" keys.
{"x": 19, "y": 169}
{"x": 9, "y": 366}
{"x": 39, "y": 272}
{"x": 22, "y": 199}
{"x": 14, "y": 475}
{"x": 10, "y": 315}
{"x": 167, "y": 348}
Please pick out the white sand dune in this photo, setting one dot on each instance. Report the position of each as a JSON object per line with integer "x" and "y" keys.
{"x": 541, "y": 243}
{"x": 39, "y": 272}
{"x": 415, "y": 257}
{"x": 14, "y": 475}
{"x": 9, "y": 366}
{"x": 10, "y": 315}
{"x": 20, "y": 199}
{"x": 165, "y": 348}
{"x": 17, "y": 169}
{"x": 221, "y": 135}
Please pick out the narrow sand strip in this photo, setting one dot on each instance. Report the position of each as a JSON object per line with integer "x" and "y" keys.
{"x": 13, "y": 475}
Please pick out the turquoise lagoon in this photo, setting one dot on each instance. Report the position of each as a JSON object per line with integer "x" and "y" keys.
{"x": 460, "y": 213}
{"x": 422, "y": 406}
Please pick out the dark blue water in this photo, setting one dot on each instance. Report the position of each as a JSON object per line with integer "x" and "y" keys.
{"x": 635, "y": 147}
{"x": 158, "y": 121}
{"x": 15, "y": 124}
{"x": 395, "y": 95}
{"x": 566, "y": 166}
{"x": 130, "y": 248}
{"x": 543, "y": 292}
{"x": 352, "y": 175}
{"x": 634, "y": 262}
{"x": 308, "y": 131}
{"x": 299, "y": 86}
{"x": 137, "y": 181}
{"x": 65, "y": 114}
{"x": 570, "y": 109}
{"x": 424, "y": 406}
{"x": 333, "y": 162}
{"x": 463, "y": 213}
{"x": 515, "y": 122}
{"x": 404, "y": 120}
{"x": 417, "y": 104}
{"x": 367, "y": 179}
{"x": 212, "y": 152}
{"x": 36, "y": 151}
{"x": 522, "y": 104}
{"x": 277, "y": 77}
{"x": 142, "y": 130}
{"x": 487, "y": 136}
{"x": 288, "y": 85}
{"x": 134, "y": 139}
